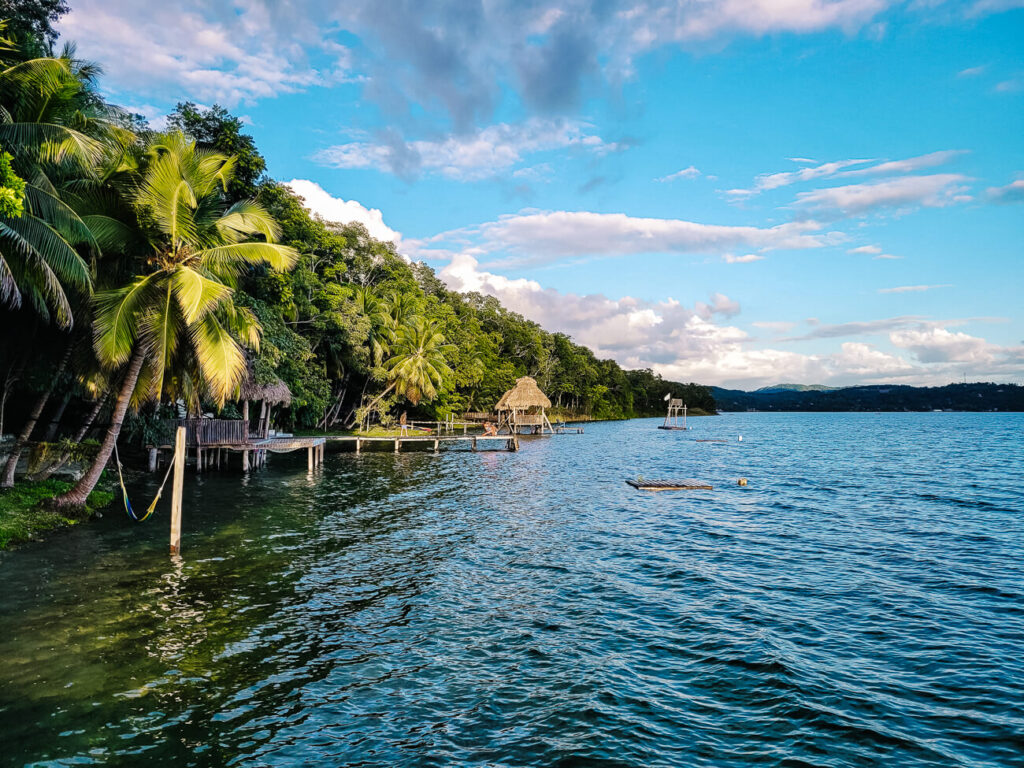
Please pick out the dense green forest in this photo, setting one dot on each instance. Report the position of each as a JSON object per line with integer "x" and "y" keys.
{"x": 147, "y": 273}
{"x": 953, "y": 397}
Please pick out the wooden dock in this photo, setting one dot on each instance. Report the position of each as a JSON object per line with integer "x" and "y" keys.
{"x": 669, "y": 485}
{"x": 476, "y": 442}
{"x": 211, "y": 456}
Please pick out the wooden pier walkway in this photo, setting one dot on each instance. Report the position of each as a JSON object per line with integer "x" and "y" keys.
{"x": 477, "y": 442}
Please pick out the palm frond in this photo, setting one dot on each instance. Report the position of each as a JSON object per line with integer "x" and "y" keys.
{"x": 196, "y": 294}
{"x": 231, "y": 259}
{"x": 116, "y": 320}
{"x": 39, "y": 237}
{"x": 247, "y": 218}
{"x": 45, "y": 204}
{"x": 220, "y": 358}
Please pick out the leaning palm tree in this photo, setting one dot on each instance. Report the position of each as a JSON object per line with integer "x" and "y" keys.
{"x": 177, "y": 321}
{"x": 417, "y": 368}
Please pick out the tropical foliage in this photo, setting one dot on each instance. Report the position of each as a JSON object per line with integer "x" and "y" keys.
{"x": 188, "y": 270}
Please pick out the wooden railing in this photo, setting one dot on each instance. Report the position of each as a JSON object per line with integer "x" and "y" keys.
{"x": 528, "y": 419}
{"x": 210, "y": 431}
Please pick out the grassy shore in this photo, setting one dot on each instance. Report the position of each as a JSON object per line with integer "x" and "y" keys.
{"x": 25, "y": 514}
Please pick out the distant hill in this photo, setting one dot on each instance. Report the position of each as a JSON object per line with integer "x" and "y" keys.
{"x": 952, "y": 397}
{"x": 797, "y": 388}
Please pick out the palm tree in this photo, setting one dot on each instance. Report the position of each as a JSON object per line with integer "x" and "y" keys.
{"x": 374, "y": 310}
{"x": 417, "y": 368}
{"x": 176, "y": 324}
{"x": 57, "y": 129}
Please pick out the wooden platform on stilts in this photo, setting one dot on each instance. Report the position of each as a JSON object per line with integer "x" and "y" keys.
{"x": 669, "y": 485}
{"x": 475, "y": 442}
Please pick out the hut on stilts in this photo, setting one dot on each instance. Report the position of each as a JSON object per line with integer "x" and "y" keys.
{"x": 523, "y": 408}
{"x": 269, "y": 395}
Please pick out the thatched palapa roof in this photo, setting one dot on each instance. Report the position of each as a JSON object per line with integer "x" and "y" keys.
{"x": 525, "y": 394}
{"x": 276, "y": 392}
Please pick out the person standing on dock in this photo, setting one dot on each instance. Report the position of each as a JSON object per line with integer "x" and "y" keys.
{"x": 403, "y": 423}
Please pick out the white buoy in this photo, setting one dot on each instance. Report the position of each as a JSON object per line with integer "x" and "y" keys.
{"x": 741, "y": 438}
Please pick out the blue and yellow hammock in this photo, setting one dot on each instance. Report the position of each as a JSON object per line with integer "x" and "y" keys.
{"x": 124, "y": 491}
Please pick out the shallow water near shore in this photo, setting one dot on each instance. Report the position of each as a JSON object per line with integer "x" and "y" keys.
{"x": 860, "y": 602}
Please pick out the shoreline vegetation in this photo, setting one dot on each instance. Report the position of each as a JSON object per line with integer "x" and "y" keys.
{"x": 149, "y": 275}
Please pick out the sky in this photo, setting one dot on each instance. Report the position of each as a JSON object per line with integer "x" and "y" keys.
{"x": 733, "y": 192}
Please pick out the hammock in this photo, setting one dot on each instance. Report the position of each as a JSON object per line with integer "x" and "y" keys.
{"x": 124, "y": 491}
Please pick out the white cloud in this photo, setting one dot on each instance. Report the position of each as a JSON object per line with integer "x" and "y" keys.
{"x": 687, "y": 173}
{"x": 544, "y": 236}
{"x": 909, "y": 165}
{"x": 934, "y": 191}
{"x": 195, "y": 50}
{"x": 472, "y": 156}
{"x": 912, "y": 288}
{"x": 729, "y": 258}
{"x": 767, "y": 181}
{"x": 841, "y": 168}
{"x": 938, "y": 345}
{"x": 331, "y": 208}
{"x": 872, "y": 249}
{"x": 687, "y": 344}
{"x": 972, "y": 71}
{"x": 1011, "y": 193}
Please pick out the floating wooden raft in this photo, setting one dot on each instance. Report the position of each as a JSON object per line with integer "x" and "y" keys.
{"x": 670, "y": 485}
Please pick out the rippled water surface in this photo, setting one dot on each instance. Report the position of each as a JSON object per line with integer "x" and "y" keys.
{"x": 860, "y": 602}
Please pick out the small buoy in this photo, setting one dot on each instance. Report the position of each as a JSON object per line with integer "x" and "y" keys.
{"x": 741, "y": 438}
{"x": 742, "y": 481}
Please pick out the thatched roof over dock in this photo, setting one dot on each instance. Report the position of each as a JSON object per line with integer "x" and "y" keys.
{"x": 525, "y": 394}
{"x": 275, "y": 392}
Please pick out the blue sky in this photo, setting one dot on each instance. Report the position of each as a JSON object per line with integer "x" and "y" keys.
{"x": 737, "y": 192}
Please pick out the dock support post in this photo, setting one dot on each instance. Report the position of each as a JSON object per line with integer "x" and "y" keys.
{"x": 397, "y": 443}
{"x": 359, "y": 444}
{"x": 474, "y": 443}
{"x": 152, "y": 458}
{"x": 436, "y": 444}
{"x": 245, "y": 461}
{"x": 309, "y": 457}
{"x": 199, "y": 459}
{"x": 179, "y": 481}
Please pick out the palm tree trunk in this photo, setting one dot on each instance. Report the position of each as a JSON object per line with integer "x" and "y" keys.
{"x": 381, "y": 396}
{"x": 87, "y": 425}
{"x": 79, "y": 436}
{"x": 9, "y": 380}
{"x": 77, "y": 496}
{"x": 30, "y": 424}
{"x": 51, "y": 430}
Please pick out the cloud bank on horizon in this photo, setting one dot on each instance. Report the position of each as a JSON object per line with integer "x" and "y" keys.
{"x": 830, "y": 199}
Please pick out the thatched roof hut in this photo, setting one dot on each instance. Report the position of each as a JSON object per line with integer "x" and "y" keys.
{"x": 275, "y": 392}
{"x": 523, "y": 396}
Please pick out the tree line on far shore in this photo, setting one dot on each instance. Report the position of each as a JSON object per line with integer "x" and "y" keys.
{"x": 150, "y": 273}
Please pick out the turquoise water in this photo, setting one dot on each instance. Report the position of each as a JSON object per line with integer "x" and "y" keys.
{"x": 860, "y": 602}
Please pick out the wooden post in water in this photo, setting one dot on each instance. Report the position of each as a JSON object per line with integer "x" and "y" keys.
{"x": 359, "y": 444}
{"x": 397, "y": 443}
{"x": 176, "y": 489}
{"x": 309, "y": 457}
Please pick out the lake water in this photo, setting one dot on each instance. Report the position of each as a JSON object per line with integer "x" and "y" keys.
{"x": 860, "y": 602}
